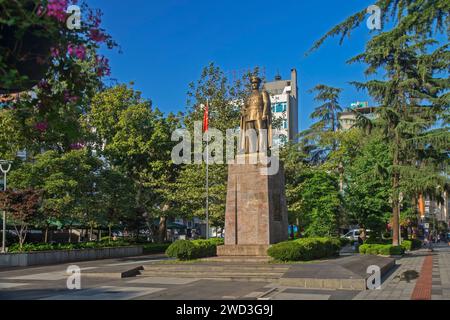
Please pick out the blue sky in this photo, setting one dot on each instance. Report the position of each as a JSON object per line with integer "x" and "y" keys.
{"x": 166, "y": 43}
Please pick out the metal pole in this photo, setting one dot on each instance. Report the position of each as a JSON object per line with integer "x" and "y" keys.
{"x": 5, "y": 171}
{"x": 207, "y": 176}
{"x": 207, "y": 192}
{"x": 4, "y": 217}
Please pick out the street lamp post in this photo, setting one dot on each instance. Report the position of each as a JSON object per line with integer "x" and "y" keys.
{"x": 5, "y": 166}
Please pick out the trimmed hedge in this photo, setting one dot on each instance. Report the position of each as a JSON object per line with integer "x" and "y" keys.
{"x": 383, "y": 249}
{"x": 30, "y": 247}
{"x": 344, "y": 242}
{"x": 155, "y": 247}
{"x": 377, "y": 241}
{"x": 305, "y": 249}
{"x": 410, "y": 245}
{"x": 189, "y": 250}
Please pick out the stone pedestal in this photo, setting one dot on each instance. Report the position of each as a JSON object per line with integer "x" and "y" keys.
{"x": 256, "y": 212}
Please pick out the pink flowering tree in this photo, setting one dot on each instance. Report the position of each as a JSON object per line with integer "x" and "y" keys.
{"x": 58, "y": 69}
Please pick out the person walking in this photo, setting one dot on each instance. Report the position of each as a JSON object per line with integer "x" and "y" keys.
{"x": 429, "y": 242}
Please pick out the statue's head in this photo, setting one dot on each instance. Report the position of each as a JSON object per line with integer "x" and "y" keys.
{"x": 256, "y": 82}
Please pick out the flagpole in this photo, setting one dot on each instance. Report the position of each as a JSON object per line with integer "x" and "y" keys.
{"x": 207, "y": 172}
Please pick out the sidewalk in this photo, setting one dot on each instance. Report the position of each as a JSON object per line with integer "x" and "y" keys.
{"x": 420, "y": 275}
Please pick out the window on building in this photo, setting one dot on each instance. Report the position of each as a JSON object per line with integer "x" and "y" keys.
{"x": 279, "y": 107}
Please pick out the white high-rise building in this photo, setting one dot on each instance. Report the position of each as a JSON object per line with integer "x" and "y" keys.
{"x": 284, "y": 98}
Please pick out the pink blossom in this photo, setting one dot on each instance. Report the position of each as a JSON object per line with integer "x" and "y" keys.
{"x": 44, "y": 85}
{"x": 103, "y": 68}
{"x": 55, "y": 52}
{"x": 69, "y": 98}
{"x": 96, "y": 35}
{"x": 41, "y": 126}
{"x": 40, "y": 11}
{"x": 77, "y": 146}
{"x": 77, "y": 51}
{"x": 95, "y": 18}
{"x": 57, "y": 9}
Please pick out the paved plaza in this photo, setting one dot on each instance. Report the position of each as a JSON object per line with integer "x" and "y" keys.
{"x": 418, "y": 275}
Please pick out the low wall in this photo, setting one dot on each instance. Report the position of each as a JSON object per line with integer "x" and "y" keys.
{"x": 64, "y": 256}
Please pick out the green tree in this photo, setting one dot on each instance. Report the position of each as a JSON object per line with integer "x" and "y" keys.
{"x": 312, "y": 194}
{"x": 68, "y": 185}
{"x": 135, "y": 140}
{"x": 116, "y": 194}
{"x": 421, "y": 17}
{"x": 412, "y": 102}
{"x": 412, "y": 96}
{"x": 22, "y": 207}
{"x": 320, "y": 203}
{"x": 321, "y": 135}
{"x": 368, "y": 185}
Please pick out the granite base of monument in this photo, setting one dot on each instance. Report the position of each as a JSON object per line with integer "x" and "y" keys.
{"x": 256, "y": 212}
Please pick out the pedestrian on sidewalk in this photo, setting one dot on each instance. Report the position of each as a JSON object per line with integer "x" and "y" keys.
{"x": 429, "y": 242}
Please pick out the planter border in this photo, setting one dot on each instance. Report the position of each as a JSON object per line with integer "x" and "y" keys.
{"x": 36, "y": 258}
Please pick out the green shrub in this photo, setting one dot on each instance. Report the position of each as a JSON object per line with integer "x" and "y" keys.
{"x": 409, "y": 245}
{"x": 344, "y": 242}
{"x": 286, "y": 251}
{"x": 305, "y": 249}
{"x": 374, "y": 249}
{"x": 150, "y": 248}
{"x": 396, "y": 250}
{"x": 188, "y": 250}
{"x": 204, "y": 248}
{"x": 383, "y": 249}
{"x": 181, "y": 249}
{"x": 217, "y": 241}
{"x": 363, "y": 248}
{"x": 377, "y": 240}
{"x": 31, "y": 247}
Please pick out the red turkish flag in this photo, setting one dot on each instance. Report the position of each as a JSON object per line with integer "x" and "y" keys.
{"x": 206, "y": 118}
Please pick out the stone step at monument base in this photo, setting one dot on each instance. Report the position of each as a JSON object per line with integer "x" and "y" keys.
{"x": 214, "y": 272}
{"x": 213, "y": 267}
{"x": 344, "y": 273}
{"x": 230, "y": 276}
{"x": 245, "y": 250}
{"x": 239, "y": 259}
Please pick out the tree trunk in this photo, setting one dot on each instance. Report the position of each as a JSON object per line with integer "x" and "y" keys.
{"x": 70, "y": 234}
{"x": 22, "y": 234}
{"x": 396, "y": 194}
{"x": 91, "y": 230}
{"x": 46, "y": 235}
{"x": 109, "y": 233}
{"x": 162, "y": 232}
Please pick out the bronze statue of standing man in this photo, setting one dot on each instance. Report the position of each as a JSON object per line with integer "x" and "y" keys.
{"x": 256, "y": 116}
